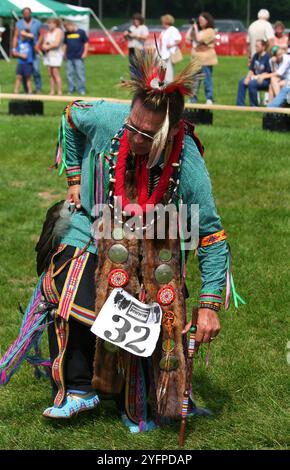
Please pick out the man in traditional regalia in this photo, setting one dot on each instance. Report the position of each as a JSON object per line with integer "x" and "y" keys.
{"x": 129, "y": 283}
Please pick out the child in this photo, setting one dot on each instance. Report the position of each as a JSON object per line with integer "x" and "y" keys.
{"x": 24, "y": 52}
{"x": 53, "y": 54}
{"x": 76, "y": 48}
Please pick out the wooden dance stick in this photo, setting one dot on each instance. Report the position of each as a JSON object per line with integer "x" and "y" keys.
{"x": 192, "y": 348}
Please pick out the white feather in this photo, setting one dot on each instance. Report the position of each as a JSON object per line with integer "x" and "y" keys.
{"x": 159, "y": 141}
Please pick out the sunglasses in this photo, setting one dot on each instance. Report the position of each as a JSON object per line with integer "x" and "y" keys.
{"x": 133, "y": 129}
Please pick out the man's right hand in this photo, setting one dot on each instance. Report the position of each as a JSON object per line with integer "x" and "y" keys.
{"x": 74, "y": 195}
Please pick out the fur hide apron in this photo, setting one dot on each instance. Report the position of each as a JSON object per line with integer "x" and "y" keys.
{"x": 117, "y": 371}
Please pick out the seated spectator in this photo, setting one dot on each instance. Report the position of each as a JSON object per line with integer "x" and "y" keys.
{"x": 280, "y": 39}
{"x": 24, "y": 69}
{"x": 276, "y": 57}
{"x": 278, "y": 62}
{"x": 76, "y": 47}
{"x": 281, "y": 98}
{"x": 284, "y": 73}
{"x": 260, "y": 64}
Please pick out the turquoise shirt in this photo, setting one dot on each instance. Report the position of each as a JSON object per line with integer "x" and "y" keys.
{"x": 95, "y": 126}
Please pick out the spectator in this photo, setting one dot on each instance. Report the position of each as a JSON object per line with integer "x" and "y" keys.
{"x": 260, "y": 29}
{"x": 277, "y": 77}
{"x": 24, "y": 69}
{"x": 284, "y": 73}
{"x": 136, "y": 36}
{"x": 276, "y": 57}
{"x": 280, "y": 39}
{"x": 53, "y": 53}
{"x": 282, "y": 97}
{"x": 75, "y": 50}
{"x": 30, "y": 28}
{"x": 202, "y": 36}
{"x": 254, "y": 80}
{"x": 169, "y": 40}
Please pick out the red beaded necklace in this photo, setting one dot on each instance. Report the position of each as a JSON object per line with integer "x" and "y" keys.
{"x": 146, "y": 203}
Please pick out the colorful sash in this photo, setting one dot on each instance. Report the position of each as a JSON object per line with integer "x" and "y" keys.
{"x": 65, "y": 308}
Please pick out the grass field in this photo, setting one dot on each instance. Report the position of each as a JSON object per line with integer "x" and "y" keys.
{"x": 247, "y": 383}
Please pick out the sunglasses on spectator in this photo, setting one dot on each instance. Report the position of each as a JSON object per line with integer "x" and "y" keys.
{"x": 134, "y": 130}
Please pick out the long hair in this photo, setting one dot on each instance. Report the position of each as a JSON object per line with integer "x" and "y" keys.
{"x": 209, "y": 18}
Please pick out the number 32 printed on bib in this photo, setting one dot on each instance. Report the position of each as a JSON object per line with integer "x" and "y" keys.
{"x": 128, "y": 323}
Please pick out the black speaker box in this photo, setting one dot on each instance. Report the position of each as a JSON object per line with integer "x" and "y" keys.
{"x": 19, "y": 107}
{"x": 276, "y": 122}
{"x": 198, "y": 116}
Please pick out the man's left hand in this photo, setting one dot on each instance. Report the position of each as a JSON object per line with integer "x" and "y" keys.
{"x": 208, "y": 325}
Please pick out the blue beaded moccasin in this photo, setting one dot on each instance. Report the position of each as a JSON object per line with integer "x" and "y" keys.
{"x": 134, "y": 428}
{"x": 72, "y": 405}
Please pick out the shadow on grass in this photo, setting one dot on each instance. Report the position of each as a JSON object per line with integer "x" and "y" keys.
{"x": 214, "y": 398}
{"x": 213, "y": 395}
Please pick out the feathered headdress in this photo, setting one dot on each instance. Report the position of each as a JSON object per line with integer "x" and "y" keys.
{"x": 148, "y": 72}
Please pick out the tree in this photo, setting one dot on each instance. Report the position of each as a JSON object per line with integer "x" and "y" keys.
{"x": 186, "y": 8}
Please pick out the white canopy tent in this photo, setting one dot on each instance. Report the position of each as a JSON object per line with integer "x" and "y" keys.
{"x": 40, "y": 8}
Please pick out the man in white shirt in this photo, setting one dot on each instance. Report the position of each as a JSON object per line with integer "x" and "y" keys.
{"x": 136, "y": 36}
{"x": 261, "y": 29}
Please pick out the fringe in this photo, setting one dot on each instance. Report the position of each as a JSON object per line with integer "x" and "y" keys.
{"x": 32, "y": 327}
{"x": 230, "y": 286}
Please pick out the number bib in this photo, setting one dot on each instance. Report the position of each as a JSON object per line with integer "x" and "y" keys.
{"x": 128, "y": 323}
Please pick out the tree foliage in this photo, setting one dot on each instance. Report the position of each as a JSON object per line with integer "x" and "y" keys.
{"x": 188, "y": 8}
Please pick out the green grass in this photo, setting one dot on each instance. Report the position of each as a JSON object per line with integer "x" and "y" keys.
{"x": 247, "y": 383}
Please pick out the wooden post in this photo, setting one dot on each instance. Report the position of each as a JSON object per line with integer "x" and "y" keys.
{"x": 143, "y": 8}
{"x": 248, "y": 12}
{"x": 100, "y": 11}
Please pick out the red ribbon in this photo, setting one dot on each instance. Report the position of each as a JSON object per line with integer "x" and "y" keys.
{"x": 146, "y": 203}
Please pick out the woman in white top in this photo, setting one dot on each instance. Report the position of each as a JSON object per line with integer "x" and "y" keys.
{"x": 53, "y": 53}
{"x": 169, "y": 39}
